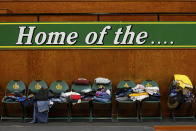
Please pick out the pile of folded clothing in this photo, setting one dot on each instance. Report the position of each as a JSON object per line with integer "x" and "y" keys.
{"x": 122, "y": 94}
{"x": 77, "y": 95}
{"x": 58, "y": 97}
{"x": 14, "y": 97}
{"x": 72, "y": 97}
{"x": 153, "y": 91}
{"x": 88, "y": 94}
{"x": 138, "y": 93}
{"x": 83, "y": 88}
{"x": 101, "y": 80}
{"x": 102, "y": 93}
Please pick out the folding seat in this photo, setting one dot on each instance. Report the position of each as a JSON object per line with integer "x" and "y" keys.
{"x": 103, "y": 104}
{"x": 153, "y": 99}
{"x": 78, "y": 88}
{"x": 15, "y": 89}
{"x": 127, "y": 85}
{"x": 57, "y": 87}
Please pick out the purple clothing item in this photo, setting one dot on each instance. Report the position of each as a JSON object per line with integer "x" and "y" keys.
{"x": 101, "y": 100}
{"x": 99, "y": 92}
{"x": 102, "y": 97}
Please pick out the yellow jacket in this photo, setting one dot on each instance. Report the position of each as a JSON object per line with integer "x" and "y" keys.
{"x": 183, "y": 81}
{"x": 138, "y": 94}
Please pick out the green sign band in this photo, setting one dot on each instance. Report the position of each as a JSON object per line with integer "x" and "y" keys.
{"x": 98, "y": 35}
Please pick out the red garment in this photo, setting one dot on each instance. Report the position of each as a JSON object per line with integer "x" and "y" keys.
{"x": 10, "y": 95}
{"x": 81, "y": 82}
{"x": 75, "y": 97}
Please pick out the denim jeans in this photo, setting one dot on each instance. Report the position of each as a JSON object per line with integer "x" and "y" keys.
{"x": 39, "y": 117}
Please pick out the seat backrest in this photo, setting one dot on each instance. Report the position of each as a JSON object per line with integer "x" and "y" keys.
{"x": 126, "y": 84}
{"x": 106, "y": 86}
{"x": 15, "y": 86}
{"x": 78, "y": 88}
{"x": 149, "y": 83}
{"x": 36, "y": 85}
{"x": 59, "y": 86}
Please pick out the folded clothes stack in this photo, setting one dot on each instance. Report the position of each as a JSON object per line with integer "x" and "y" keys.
{"x": 14, "y": 97}
{"x": 101, "y": 80}
{"x": 154, "y": 93}
{"x": 102, "y": 93}
{"x": 88, "y": 94}
{"x": 138, "y": 93}
{"x": 122, "y": 94}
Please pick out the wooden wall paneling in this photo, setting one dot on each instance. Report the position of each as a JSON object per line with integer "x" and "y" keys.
{"x": 128, "y": 17}
{"x": 178, "y": 17}
{"x": 18, "y": 18}
{"x": 100, "y": 63}
{"x": 66, "y": 66}
{"x": 93, "y": 0}
{"x": 3, "y": 11}
{"x": 48, "y": 65}
{"x": 42, "y": 65}
{"x": 71, "y": 64}
{"x": 98, "y": 7}
{"x": 68, "y": 18}
{"x": 14, "y": 66}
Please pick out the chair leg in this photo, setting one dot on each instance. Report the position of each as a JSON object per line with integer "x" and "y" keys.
{"x": 117, "y": 109}
{"x": 141, "y": 104}
{"x": 93, "y": 115}
{"x": 160, "y": 109}
{"x": 4, "y": 110}
{"x": 173, "y": 115}
{"x": 23, "y": 112}
{"x": 137, "y": 110}
{"x": 91, "y": 111}
{"x": 66, "y": 108}
{"x": 69, "y": 112}
{"x": 193, "y": 112}
{"x": 111, "y": 112}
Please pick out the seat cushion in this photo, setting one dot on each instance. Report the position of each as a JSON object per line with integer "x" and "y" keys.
{"x": 102, "y": 102}
{"x": 126, "y": 101}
